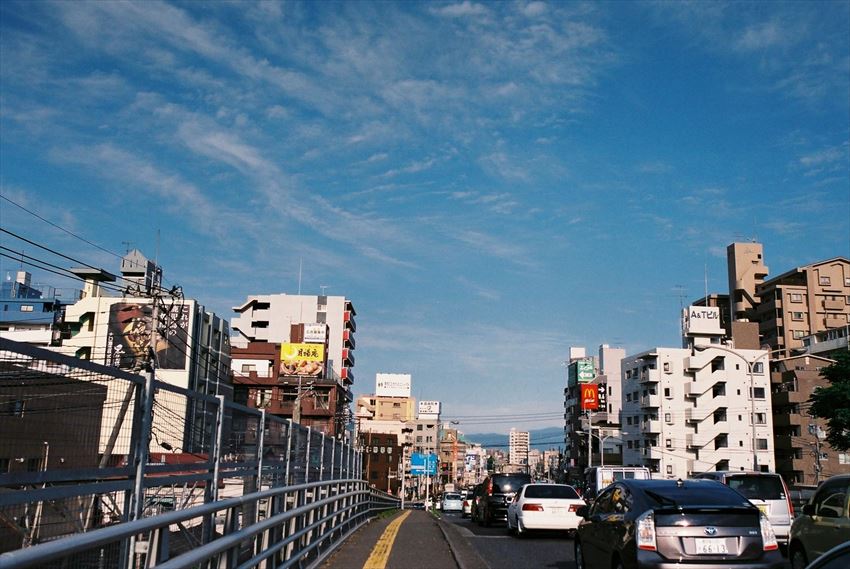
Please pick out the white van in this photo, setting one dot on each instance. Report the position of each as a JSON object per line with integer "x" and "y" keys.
{"x": 596, "y": 478}
{"x": 767, "y": 491}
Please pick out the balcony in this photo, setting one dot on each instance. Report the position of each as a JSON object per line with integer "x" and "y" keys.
{"x": 653, "y": 426}
{"x": 348, "y": 319}
{"x": 649, "y": 376}
{"x": 347, "y": 376}
{"x": 650, "y": 401}
{"x": 348, "y": 339}
{"x": 831, "y": 304}
{"x": 347, "y": 358}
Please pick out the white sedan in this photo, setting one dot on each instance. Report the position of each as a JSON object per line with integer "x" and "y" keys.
{"x": 544, "y": 507}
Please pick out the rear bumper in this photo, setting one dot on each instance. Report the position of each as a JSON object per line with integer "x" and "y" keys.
{"x": 538, "y": 520}
{"x": 769, "y": 560}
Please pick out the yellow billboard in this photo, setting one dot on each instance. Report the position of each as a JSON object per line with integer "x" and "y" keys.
{"x": 302, "y": 359}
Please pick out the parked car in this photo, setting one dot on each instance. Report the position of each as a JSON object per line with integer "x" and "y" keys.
{"x": 545, "y": 507}
{"x": 452, "y": 502}
{"x": 824, "y": 523}
{"x": 668, "y": 524}
{"x": 767, "y": 491}
{"x": 498, "y": 491}
{"x": 597, "y": 478}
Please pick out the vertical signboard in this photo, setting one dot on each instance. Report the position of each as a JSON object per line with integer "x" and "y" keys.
{"x": 128, "y": 335}
{"x": 585, "y": 371}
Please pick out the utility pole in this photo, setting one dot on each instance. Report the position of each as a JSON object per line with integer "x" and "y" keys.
{"x": 814, "y": 429}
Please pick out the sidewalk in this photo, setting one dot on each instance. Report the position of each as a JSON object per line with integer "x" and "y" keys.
{"x": 422, "y": 542}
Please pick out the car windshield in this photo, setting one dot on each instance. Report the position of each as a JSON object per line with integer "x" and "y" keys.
{"x": 757, "y": 487}
{"x": 505, "y": 484}
{"x": 551, "y": 491}
{"x": 451, "y": 497}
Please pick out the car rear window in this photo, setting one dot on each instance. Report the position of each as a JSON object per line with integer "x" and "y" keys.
{"x": 451, "y": 497}
{"x": 757, "y": 487}
{"x": 551, "y": 491}
{"x": 505, "y": 484}
{"x": 694, "y": 495}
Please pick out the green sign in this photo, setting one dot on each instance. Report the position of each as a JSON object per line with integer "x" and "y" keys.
{"x": 585, "y": 371}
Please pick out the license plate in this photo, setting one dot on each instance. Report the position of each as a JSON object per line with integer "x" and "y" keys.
{"x": 711, "y": 546}
{"x": 558, "y": 510}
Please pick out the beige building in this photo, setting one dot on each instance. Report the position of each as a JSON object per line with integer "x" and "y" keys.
{"x": 802, "y": 302}
{"x": 381, "y": 408}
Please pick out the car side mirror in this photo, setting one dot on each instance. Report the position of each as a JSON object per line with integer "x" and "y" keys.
{"x": 809, "y": 510}
{"x": 582, "y": 511}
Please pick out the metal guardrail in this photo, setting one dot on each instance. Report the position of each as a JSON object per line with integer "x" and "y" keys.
{"x": 294, "y": 526}
{"x": 84, "y": 446}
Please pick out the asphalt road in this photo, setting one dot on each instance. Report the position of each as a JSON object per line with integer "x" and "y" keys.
{"x": 502, "y": 551}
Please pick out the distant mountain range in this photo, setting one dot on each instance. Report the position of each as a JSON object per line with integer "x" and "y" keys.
{"x": 541, "y": 439}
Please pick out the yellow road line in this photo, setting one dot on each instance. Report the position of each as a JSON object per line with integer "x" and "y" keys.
{"x": 381, "y": 552}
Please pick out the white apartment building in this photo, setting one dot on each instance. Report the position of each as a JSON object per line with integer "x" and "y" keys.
{"x": 518, "y": 444}
{"x": 699, "y": 408}
{"x": 269, "y": 318}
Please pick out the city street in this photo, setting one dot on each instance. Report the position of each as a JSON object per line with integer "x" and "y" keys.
{"x": 502, "y": 551}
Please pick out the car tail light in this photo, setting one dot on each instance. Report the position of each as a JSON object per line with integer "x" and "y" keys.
{"x": 574, "y": 507}
{"x": 788, "y": 500}
{"x": 532, "y": 507}
{"x": 768, "y": 537}
{"x": 466, "y": 503}
{"x": 490, "y": 487}
{"x": 645, "y": 532}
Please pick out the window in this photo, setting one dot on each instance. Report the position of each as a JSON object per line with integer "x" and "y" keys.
{"x": 628, "y": 396}
{"x": 667, "y": 367}
{"x": 247, "y": 368}
{"x": 758, "y": 367}
{"x": 758, "y": 393}
{"x": 668, "y": 417}
{"x": 668, "y": 443}
{"x": 843, "y": 458}
{"x": 719, "y": 416}
{"x": 26, "y": 308}
{"x": 418, "y": 427}
{"x": 761, "y": 418}
{"x": 628, "y": 420}
{"x": 628, "y": 444}
{"x": 799, "y": 334}
{"x": 796, "y": 297}
{"x": 719, "y": 390}
{"x": 761, "y": 444}
{"x": 824, "y": 281}
{"x": 796, "y": 316}
{"x": 669, "y": 469}
{"x": 668, "y": 393}
{"x": 721, "y": 441}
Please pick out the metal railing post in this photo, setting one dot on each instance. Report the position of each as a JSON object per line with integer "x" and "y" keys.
{"x": 322, "y": 460}
{"x": 288, "y": 451}
{"x": 307, "y": 455}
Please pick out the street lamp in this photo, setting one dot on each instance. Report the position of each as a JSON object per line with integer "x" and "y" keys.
{"x": 601, "y": 444}
{"x": 750, "y": 370}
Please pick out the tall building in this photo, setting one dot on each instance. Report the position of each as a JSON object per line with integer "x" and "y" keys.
{"x": 271, "y": 372}
{"x": 518, "y": 446}
{"x": 192, "y": 350}
{"x": 699, "y": 408}
{"x": 746, "y": 272}
{"x": 802, "y": 302}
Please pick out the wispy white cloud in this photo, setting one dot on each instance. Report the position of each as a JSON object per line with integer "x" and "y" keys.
{"x": 826, "y": 156}
{"x": 463, "y": 9}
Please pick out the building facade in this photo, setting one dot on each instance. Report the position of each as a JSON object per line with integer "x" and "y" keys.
{"x": 27, "y": 315}
{"x": 192, "y": 347}
{"x": 518, "y": 447}
{"x": 266, "y": 328}
{"x": 699, "y": 408}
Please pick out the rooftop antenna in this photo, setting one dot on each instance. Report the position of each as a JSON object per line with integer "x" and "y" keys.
{"x": 323, "y": 287}
{"x": 127, "y": 245}
{"x": 706, "y": 283}
{"x": 680, "y": 290}
{"x": 300, "y": 265}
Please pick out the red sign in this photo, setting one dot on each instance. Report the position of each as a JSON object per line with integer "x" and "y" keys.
{"x": 589, "y": 397}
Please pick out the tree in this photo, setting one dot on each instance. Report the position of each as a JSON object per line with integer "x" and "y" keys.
{"x": 833, "y": 402}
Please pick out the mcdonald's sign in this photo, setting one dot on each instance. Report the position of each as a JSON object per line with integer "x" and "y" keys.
{"x": 589, "y": 397}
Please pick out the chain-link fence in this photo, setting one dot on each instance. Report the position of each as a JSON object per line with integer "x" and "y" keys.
{"x": 85, "y": 446}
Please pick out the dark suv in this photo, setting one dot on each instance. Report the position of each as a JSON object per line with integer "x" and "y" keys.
{"x": 670, "y": 524}
{"x": 497, "y": 492}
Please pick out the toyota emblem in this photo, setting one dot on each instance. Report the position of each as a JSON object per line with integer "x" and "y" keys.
{"x": 711, "y": 530}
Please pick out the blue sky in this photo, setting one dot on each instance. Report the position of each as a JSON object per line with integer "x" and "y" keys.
{"x": 489, "y": 183}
